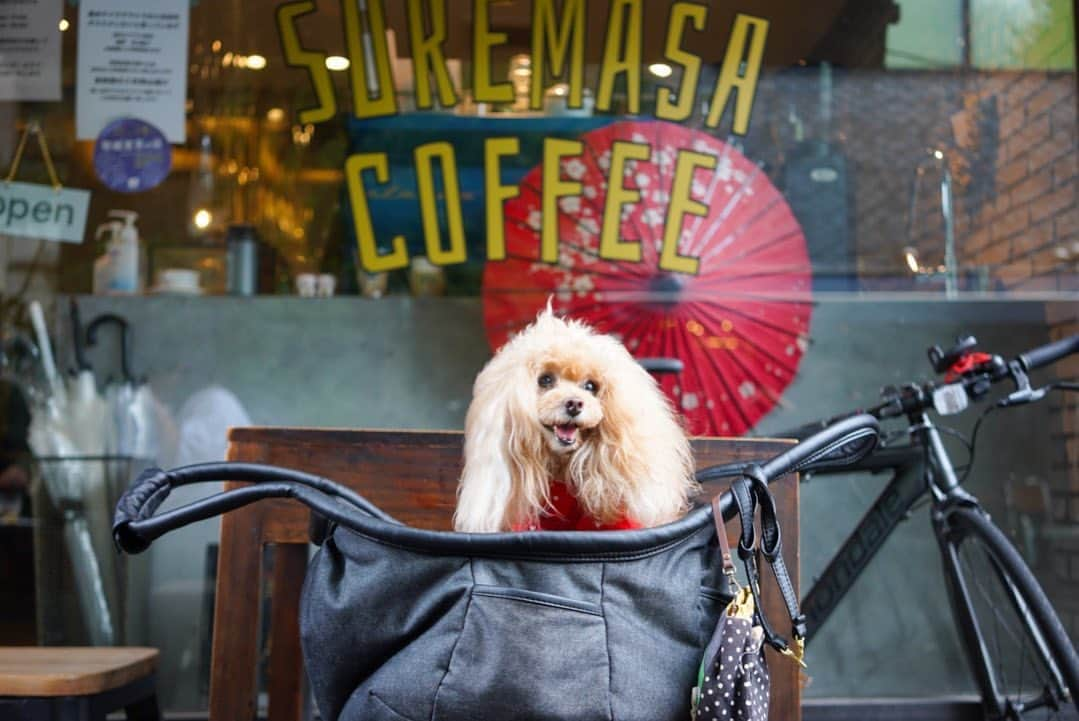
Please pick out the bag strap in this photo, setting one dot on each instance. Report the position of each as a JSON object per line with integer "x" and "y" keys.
{"x": 724, "y": 546}
{"x": 749, "y": 491}
{"x": 135, "y": 526}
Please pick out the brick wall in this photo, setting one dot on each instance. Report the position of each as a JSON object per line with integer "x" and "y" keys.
{"x": 1010, "y": 143}
{"x": 1029, "y": 232}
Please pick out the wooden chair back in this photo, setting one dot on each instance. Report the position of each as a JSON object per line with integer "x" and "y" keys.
{"x": 413, "y": 476}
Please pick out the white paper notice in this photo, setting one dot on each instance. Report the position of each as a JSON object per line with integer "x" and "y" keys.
{"x": 132, "y": 62}
{"x": 30, "y": 49}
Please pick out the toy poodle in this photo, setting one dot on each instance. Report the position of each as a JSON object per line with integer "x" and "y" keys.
{"x": 566, "y": 431}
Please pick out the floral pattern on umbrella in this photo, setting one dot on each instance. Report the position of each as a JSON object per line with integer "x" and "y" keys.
{"x": 740, "y": 324}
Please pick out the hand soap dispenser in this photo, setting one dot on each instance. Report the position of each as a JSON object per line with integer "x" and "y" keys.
{"x": 106, "y": 263}
{"x": 126, "y": 277}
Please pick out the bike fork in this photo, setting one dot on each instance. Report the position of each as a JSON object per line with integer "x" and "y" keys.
{"x": 971, "y": 634}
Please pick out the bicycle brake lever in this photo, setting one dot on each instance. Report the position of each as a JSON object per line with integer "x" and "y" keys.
{"x": 1023, "y": 393}
{"x": 1021, "y": 396}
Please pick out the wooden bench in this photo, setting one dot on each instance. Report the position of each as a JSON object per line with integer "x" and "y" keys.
{"x": 412, "y": 476}
{"x": 77, "y": 684}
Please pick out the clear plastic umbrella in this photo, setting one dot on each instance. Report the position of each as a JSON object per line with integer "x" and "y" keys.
{"x": 87, "y": 418}
{"x": 142, "y": 426}
{"x": 73, "y": 486}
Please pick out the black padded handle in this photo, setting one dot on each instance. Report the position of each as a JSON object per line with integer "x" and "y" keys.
{"x": 135, "y": 525}
{"x": 843, "y": 443}
{"x": 1050, "y": 353}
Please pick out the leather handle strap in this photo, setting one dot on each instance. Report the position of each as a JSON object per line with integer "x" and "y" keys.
{"x": 137, "y": 524}
{"x": 772, "y": 547}
{"x": 748, "y": 492}
{"x": 724, "y": 544}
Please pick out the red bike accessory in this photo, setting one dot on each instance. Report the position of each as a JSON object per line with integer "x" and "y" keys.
{"x": 965, "y": 365}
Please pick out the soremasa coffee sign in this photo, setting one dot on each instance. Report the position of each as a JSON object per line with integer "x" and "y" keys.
{"x": 557, "y": 55}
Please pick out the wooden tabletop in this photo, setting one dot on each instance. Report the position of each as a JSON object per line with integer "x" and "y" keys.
{"x": 64, "y": 671}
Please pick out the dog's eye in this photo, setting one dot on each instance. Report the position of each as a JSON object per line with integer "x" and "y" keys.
{"x": 546, "y": 380}
{"x": 591, "y": 387}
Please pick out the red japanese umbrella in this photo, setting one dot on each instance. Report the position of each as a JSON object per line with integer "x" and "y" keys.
{"x": 740, "y": 325}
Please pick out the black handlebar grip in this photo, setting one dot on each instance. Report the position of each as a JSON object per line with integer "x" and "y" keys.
{"x": 661, "y": 365}
{"x": 1047, "y": 354}
{"x": 138, "y": 503}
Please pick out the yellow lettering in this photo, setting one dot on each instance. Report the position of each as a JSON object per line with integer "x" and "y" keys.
{"x": 364, "y": 103}
{"x": 611, "y": 246}
{"x": 682, "y": 107}
{"x": 427, "y": 55}
{"x": 682, "y": 205}
{"x": 496, "y": 194}
{"x": 370, "y": 259}
{"x": 483, "y": 90}
{"x": 623, "y": 22}
{"x": 554, "y": 149}
{"x": 425, "y": 187}
{"x": 315, "y": 63}
{"x": 734, "y": 75}
{"x": 547, "y": 39}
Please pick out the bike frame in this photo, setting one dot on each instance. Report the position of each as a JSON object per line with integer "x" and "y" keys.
{"x": 918, "y": 468}
{"x": 891, "y": 506}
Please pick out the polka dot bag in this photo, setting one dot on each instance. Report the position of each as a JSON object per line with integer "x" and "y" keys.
{"x": 733, "y": 680}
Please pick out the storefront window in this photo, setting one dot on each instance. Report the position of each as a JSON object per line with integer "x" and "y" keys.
{"x": 796, "y": 202}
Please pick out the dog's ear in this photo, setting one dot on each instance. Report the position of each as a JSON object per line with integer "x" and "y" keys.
{"x": 641, "y": 465}
{"x": 504, "y": 468}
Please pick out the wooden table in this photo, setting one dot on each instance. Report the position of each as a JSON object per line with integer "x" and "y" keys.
{"x": 77, "y": 684}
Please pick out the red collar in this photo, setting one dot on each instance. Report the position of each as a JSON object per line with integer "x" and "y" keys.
{"x": 566, "y": 514}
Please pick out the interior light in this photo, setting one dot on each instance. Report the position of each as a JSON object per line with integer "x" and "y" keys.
{"x": 226, "y": 59}
{"x": 938, "y": 155}
{"x": 203, "y": 218}
{"x": 256, "y": 62}
{"x": 216, "y": 46}
{"x": 911, "y": 256}
{"x": 521, "y": 66}
{"x": 337, "y": 63}
{"x": 275, "y": 115}
{"x": 660, "y": 70}
{"x": 64, "y": 24}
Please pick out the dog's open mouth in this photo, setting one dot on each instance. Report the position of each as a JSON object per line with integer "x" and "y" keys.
{"x": 566, "y": 433}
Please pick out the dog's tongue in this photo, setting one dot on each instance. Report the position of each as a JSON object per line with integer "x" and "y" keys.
{"x": 566, "y": 432}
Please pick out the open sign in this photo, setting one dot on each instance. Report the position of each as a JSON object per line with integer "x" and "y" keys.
{"x": 41, "y": 211}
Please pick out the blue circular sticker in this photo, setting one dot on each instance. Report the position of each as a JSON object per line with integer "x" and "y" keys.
{"x": 131, "y": 155}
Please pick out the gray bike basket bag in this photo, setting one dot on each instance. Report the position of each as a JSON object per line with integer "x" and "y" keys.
{"x": 402, "y": 623}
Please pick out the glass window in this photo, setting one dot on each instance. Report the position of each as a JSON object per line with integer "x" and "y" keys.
{"x": 795, "y": 201}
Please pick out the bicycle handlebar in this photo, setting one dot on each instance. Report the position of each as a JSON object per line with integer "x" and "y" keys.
{"x": 976, "y": 382}
{"x": 1049, "y": 353}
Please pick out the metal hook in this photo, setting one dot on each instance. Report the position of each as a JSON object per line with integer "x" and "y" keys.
{"x": 125, "y": 358}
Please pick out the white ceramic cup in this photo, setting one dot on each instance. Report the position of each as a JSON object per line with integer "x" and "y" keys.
{"x": 306, "y": 285}
{"x": 325, "y": 285}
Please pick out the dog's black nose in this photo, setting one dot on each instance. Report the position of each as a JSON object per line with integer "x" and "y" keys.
{"x": 574, "y": 407}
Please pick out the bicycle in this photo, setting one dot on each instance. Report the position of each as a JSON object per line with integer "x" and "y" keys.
{"x": 1023, "y": 662}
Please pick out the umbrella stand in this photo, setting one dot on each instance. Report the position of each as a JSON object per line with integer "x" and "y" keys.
{"x": 103, "y": 597}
